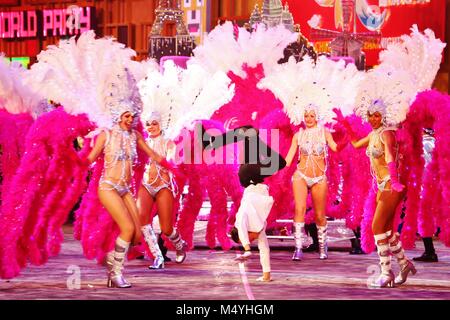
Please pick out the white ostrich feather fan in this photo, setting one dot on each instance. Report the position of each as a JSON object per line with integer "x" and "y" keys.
{"x": 92, "y": 76}
{"x": 182, "y": 96}
{"x": 15, "y": 95}
{"x": 221, "y": 51}
{"x": 419, "y": 54}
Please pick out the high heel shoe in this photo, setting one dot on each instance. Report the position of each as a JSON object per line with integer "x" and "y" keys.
{"x": 158, "y": 263}
{"x": 404, "y": 272}
{"x": 181, "y": 252}
{"x": 117, "y": 281}
{"x": 384, "y": 281}
{"x": 298, "y": 255}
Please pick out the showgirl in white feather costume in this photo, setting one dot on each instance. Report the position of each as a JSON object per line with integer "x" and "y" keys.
{"x": 383, "y": 99}
{"x": 173, "y": 100}
{"x": 309, "y": 92}
{"x": 93, "y": 76}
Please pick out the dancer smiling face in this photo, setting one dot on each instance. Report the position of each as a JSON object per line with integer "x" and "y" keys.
{"x": 153, "y": 128}
{"x": 310, "y": 119}
{"x": 375, "y": 119}
{"x": 126, "y": 121}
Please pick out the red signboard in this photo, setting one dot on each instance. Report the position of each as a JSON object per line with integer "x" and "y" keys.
{"x": 401, "y": 15}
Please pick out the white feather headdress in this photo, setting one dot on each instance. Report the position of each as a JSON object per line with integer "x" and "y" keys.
{"x": 91, "y": 76}
{"x": 15, "y": 95}
{"x": 181, "y": 96}
{"x": 389, "y": 92}
{"x": 319, "y": 86}
{"x": 419, "y": 54}
{"x": 221, "y": 51}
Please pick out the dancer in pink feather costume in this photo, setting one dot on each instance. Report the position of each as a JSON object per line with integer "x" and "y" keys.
{"x": 158, "y": 189}
{"x": 120, "y": 148}
{"x": 383, "y": 101}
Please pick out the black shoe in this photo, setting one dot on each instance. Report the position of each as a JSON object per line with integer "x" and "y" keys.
{"x": 311, "y": 248}
{"x": 356, "y": 251}
{"x": 167, "y": 259}
{"x": 427, "y": 257}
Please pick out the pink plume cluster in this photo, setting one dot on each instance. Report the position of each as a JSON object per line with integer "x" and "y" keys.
{"x": 428, "y": 187}
{"x": 46, "y": 186}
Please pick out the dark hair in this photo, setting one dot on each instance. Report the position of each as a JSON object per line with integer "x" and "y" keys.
{"x": 235, "y": 235}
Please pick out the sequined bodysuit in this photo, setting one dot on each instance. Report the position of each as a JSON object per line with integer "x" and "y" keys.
{"x": 120, "y": 155}
{"x": 375, "y": 152}
{"x": 157, "y": 178}
{"x": 312, "y": 164}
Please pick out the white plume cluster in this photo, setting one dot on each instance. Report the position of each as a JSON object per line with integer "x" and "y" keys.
{"x": 181, "y": 96}
{"x": 406, "y": 69}
{"x": 15, "y": 95}
{"x": 91, "y": 76}
{"x": 221, "y": 51}
{"x": 419, "y": 54}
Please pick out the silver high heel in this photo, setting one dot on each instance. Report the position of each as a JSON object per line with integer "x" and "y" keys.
{"x": 158, "y": 263}
{"x": 384, "y": 281}
{"x": 404, "y": 272}
{"x": 180, "y": 251}
{"x": 298, "y": 255}
{"x": 117, "y": 281}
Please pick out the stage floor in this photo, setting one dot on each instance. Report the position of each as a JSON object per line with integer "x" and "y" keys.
{"x": 212, "y": 275}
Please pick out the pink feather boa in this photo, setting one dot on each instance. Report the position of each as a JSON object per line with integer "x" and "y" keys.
{"x": 427, "y": 208}
{"x": 33, "y": 213}
{"x": 367, "y": 238}
{"x": 220, "y": 181}
{"x": 13, "y": 131}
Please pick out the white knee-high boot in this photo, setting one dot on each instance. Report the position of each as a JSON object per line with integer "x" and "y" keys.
{"x": 298, "y": 234}
{"x": 386, "y": 278}
{"x": 180, "y": 246}
{"x": 116, "y": 279}
{"x": 152, "y": 242}
{"x": 323, "y": 242}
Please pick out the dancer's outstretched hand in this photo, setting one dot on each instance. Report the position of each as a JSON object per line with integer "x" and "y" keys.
{"x": 339, "y": 116}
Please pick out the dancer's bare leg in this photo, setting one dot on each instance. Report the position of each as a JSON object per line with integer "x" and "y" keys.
{"x": 130, "y": 203}
{"x": 145, "y": 205}
{"x": 118, "y": 210}
{"x": 164, "y": 201}
{"x": 300, "y": 190}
